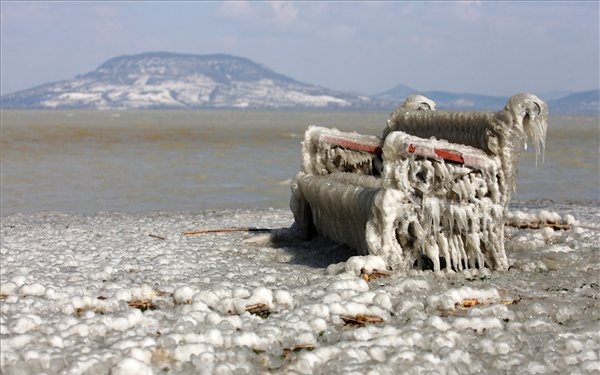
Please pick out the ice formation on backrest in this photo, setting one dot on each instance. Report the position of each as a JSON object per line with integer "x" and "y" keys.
{"x": 412, "y": 103}
{"x": 434, "y": 190}
{"x": 327, "y": 151}
{"x": 501, "y": 134}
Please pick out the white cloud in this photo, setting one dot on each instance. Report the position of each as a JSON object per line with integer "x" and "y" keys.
{"x": 106, "y": 23}
{"x": 237, "y": 10}
{"x": 280, "y": 14}
{"x": 339, "y": 32}
{"x": 469, "y": 11}
{"x": 285, "y": 12}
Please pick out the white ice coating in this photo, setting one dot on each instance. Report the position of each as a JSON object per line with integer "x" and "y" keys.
{"x": 437, "y": 209}
{"x": 412, "y": 103}
{"x": 437, "y": 203}
{"x": 321, "y": 157}
{"x": 502, "y": 134}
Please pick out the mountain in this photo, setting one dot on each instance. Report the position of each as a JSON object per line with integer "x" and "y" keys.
{"x": 398, "y": 92}
{"x": 446, "y": 100}
{"x": 169, "y": 80}
{"x": 584, "y": 103}
{"x": 158, "y": 80}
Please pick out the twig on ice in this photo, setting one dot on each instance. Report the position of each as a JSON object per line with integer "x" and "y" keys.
{"x": 373, "y": 275}
{"x": 222, "y": 230}
{"x": 361, "y": 319}
{"x": 539, "y": 225}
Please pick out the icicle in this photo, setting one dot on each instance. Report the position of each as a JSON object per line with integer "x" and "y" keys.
{"x": 531, "y": 113}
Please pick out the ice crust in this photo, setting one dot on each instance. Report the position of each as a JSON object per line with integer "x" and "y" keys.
{"x": 418, "y": 208}
{"x": 69, "y": 282}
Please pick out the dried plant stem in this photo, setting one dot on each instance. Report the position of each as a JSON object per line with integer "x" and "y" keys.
{"x": 539, "y": 225}
{"x": 223, "y": 230}
{"x": 550, "y": 224}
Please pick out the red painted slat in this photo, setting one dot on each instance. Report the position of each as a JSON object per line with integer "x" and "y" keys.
{"x": 352, "y": 145}
{"x": 449, "y": 155}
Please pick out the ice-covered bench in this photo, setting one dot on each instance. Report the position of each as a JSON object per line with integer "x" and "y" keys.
{"x": 431, "y": 192}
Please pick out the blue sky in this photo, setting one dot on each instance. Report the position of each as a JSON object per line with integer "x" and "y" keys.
{"x": 495, "y": 48}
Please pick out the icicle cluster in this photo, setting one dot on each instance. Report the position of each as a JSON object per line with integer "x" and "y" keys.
{"x": 435, "y": 213}
{"x": 322, "y": 156}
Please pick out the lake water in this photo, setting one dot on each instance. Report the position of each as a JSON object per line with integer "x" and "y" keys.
{"x": 146, "y": 161}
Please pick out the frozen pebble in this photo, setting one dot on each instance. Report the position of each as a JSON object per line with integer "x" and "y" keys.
{"x": 366, "y": 263}
{"x": 128, "y": 366}
{"x": 25, "y": 323}
{"x": 8, "y": 288}
{"x": 183, "y": 295}
{"x": 35, "y": 289}
{"x": 283, "y": 298}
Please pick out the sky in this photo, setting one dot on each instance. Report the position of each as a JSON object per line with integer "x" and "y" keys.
{"x": 483, "y": 47}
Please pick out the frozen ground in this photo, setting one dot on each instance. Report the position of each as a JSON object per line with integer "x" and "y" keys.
{"x": 130, "y": 294}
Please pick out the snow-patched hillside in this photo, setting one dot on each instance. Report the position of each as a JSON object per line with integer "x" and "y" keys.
{"x": 158, "y": 80}
{"x": 169, "y": 80}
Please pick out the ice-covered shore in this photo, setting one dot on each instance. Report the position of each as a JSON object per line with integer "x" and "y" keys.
{"x": 130, "y": 294}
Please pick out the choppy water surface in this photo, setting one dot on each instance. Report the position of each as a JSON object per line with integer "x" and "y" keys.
{"x": 143, "y": 161}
